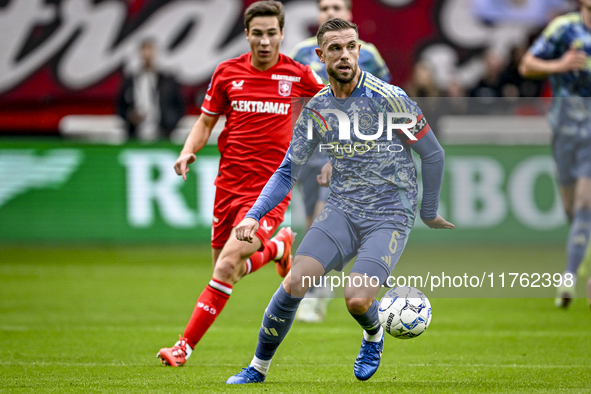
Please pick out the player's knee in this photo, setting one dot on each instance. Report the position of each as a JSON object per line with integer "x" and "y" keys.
{"x": 293, "y": 284}
{"x": 225, "y": 270}
{"x": 582, "y": 200}
{"x": 583, "y": 203}
{"x": 358, "y": 306}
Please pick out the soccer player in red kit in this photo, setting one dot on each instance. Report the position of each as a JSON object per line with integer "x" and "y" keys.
{"x": 255, "y": 93}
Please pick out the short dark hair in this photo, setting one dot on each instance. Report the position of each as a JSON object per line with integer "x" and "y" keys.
{"x": 264, "y": 8}
{"x": 348, "y": 4}
{"x": 335, "y": 24}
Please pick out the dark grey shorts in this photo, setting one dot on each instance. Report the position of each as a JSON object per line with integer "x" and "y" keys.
{"x": 336, "y": 238}
{"x": 573, "y": 158}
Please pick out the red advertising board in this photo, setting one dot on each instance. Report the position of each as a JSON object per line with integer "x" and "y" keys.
{"x": 60, "y": 57}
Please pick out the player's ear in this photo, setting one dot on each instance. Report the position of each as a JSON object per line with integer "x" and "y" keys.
{"x": 282, "y": 31}
{"x": 246, "y": 33}
{"x": 320, "y": 54}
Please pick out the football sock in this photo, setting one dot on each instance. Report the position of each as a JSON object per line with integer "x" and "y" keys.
{"x": 277, "y": 320}
{"x": 261, "y": 258}
{"x": 188, "y": 349}
{"x": 209, "y": 305}
{"x": 280, "y": 248}
{"x": 369, "y": 320}
{"x": 260, "y": 365}
{"x": 373, "y": 338}
{"x": 578, "y": 239}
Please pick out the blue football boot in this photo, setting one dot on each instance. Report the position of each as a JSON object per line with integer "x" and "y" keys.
{"x": 247, "y": 375}
{"x": 368, "y": 360}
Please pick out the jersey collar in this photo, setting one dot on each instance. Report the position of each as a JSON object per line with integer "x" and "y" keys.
{"x": 249, "y": 60}
{"x": 344, "y": 103}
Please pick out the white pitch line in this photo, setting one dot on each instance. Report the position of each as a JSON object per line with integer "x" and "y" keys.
{"x": 209, "y": 365}
{"x": 299, "y": 329}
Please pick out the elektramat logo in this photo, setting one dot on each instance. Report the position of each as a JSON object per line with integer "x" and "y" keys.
{"x": 363, "y": 122}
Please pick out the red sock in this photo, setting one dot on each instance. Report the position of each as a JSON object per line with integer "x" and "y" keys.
{"x": 209, "y": 305}
{"x": 259, "y": 259}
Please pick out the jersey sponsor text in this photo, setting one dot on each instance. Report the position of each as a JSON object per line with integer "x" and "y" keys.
{"x": 268, "y": 107}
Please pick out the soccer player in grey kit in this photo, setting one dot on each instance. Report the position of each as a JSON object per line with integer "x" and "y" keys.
{"x": 372, "y": 205}
{"x": 563, "y": 52}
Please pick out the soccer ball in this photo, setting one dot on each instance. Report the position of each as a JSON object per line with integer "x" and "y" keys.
{"x": 404, "y": 312}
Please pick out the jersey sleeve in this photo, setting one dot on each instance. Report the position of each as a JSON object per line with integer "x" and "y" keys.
{"x": 312, "y": 83}
{"x": 399, "y": 102}
{"x": 432, "y": 162}
{"x": 371, "y": 61}
{"x": 306, "y": 135}
{"x": 304, "y": 141}
{"x": 547, "y": 45}
{"x": 216, "y": 99}
{"x": 276, "y": 189}
{"x": 298, "y": 54}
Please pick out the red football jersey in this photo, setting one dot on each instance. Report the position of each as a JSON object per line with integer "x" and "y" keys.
{"x": 258, "y": 107}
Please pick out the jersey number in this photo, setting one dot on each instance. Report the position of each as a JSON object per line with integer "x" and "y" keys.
{"x": 394, "y": 242}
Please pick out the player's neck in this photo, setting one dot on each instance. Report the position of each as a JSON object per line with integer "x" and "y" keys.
{"x": 263, "y": 66}
{"x": 344, "y": 90}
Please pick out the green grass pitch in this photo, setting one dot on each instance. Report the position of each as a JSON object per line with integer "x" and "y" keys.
{"x": 91, "y": 319}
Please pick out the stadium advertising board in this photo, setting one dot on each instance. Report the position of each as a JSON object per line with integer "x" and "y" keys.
{"x": 68, "y": 56}
{"x": 53, "y": 190}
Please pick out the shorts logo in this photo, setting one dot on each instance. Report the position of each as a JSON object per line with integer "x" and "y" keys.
{"x": 237, "y": 85}
{"x": 266, "y": 227}
{"x": 216, "y": 220}
{"x": 323, "y": 215}
{"x": 285, "y": 88}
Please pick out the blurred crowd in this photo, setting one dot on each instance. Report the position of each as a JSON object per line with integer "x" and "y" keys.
{"x": 492, "y": 88}
{"x": 499, "y": 66}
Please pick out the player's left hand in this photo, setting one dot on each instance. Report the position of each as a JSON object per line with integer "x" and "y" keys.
{"x": 439, "y": 222}
{"x": 246, "y": 229}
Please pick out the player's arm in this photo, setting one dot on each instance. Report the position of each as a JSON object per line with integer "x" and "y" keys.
{"x": 422, "y": 140}
{"x": 548, "y": 56}
{"x": 284, "y": 178}
{"x": 372, "y": 62}
{"x": 432, "y": 161}
{"x": 195, "y": 142}
{"x": 276, "y": 189}
{"x": 532, "y": 66}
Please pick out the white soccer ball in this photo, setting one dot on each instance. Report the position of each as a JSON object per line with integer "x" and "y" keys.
{"x": 405, "y": 312}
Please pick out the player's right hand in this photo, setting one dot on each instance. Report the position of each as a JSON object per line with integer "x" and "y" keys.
{"x": 246, "y": 229}
{"x": 439, "y": 223}
{"x": 573, "y": 59}
{"x": 182, "y": 164}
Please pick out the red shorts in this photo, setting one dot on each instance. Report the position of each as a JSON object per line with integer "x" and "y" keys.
{"x": 229, "y": 209}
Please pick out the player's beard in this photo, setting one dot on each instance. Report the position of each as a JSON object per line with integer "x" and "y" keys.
{"x": 335, "y": 74}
